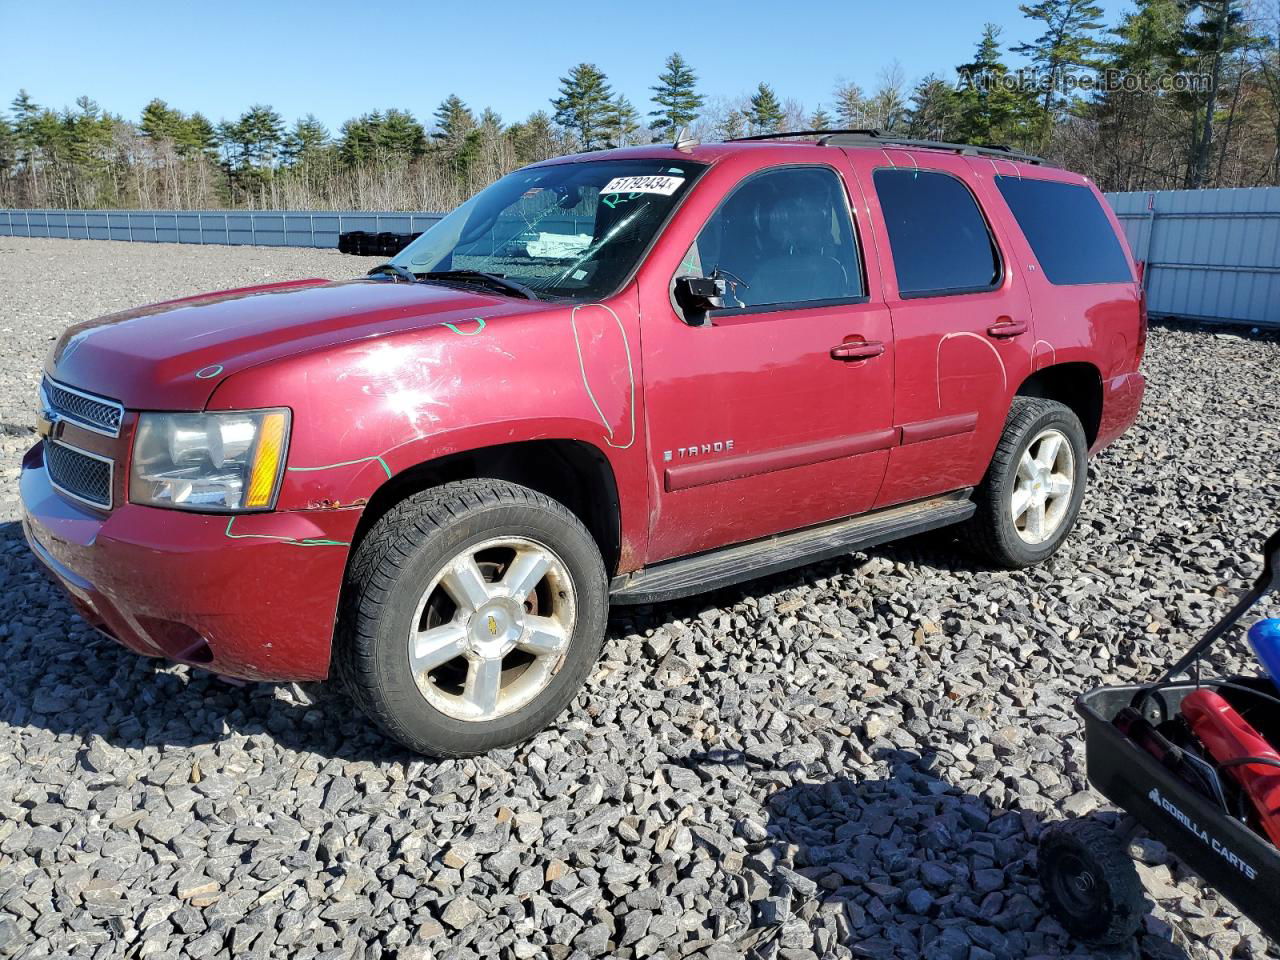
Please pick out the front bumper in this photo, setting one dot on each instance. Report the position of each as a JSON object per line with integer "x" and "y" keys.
{"x": 250, "y": 595}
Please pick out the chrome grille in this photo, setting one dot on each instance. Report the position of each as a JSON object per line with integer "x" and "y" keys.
{"x": 79, "y": 475}
{"x": 93, "y": 413}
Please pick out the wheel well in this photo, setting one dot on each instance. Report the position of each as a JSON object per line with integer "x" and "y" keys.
{"x": 1075, "y": 385}
{"x": 574, "y": 473}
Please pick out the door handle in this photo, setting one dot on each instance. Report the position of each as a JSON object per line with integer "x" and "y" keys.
{"x": 1007, "y": 329}
{"x": 852, "y": 351}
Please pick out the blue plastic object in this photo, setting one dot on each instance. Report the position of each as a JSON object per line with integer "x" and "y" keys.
{"x": 1264, "y": 637}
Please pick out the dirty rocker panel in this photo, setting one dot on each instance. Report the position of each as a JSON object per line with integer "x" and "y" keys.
{"x": 758, "y": 558}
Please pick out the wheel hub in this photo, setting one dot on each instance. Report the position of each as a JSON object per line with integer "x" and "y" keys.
{"x": 1042, "y": 491}
{"x": 494, "y": 629}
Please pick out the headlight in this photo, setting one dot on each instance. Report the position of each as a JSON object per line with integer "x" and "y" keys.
{"x": 209, "y": 461}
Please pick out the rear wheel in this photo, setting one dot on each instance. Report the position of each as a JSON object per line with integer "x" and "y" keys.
{"x": 1031, "y": 496}
{"x": 472, "y": 614}
{"x": 1090, "y": 883}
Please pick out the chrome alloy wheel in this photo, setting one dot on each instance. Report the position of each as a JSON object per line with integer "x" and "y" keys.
{"x": 1042, "y": 491}
{"x": 492, "y": 629}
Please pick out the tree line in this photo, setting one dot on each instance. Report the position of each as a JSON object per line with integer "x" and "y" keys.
{"x": 1177, "y": 94}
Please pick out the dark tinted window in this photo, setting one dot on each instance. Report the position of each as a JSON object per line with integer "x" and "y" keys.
{"x": 784, "y": 236}
{"x": 1068, "y": 231}
{"x": 940, "y": 240}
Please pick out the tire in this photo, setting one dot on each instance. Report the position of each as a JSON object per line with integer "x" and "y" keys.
{"x": 995, "y": 533}
{"x": 410, "y": 574}
{"x": 1090, "y": 883}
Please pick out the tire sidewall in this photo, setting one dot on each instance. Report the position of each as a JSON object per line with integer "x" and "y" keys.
{"x": 1002, "y": 486}
{"x": 1092, "y": 928}
{"x": 421, "y": 723}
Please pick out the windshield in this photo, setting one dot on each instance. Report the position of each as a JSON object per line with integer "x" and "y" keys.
{"x": 573, "y": 230}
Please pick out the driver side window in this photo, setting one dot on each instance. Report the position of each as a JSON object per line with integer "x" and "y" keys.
{"x": 782, "y": 237}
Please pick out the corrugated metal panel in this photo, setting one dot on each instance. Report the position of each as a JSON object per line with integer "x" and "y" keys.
{"x": 1210, "y": 254}
{"x": 273, "y": 228}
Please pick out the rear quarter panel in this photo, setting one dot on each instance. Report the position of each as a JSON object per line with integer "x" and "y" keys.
{"x": 1098, "y": 324}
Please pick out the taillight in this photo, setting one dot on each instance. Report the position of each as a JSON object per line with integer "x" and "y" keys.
{"x": 1142, "y": 330}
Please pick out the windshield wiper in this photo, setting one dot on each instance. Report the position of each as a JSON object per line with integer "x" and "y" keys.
{"x": 394, "y": 269}
{"x": 495, "y": 280}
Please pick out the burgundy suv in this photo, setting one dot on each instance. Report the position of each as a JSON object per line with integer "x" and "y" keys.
{"x": 612, "y": 378}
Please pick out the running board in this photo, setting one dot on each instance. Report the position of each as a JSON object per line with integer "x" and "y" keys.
{"x": 785, "y": 551}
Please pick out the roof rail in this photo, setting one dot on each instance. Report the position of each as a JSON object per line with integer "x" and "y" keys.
{"x": 802, "y": 133}
{"x": 875, "y": 138}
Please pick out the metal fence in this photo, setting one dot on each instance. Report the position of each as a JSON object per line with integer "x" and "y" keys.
{"x": 1210, "y": 254}
{"x": 270, "y": 228}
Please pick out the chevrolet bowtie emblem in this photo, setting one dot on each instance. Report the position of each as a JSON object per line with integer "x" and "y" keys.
{"x": 47, "y": 424}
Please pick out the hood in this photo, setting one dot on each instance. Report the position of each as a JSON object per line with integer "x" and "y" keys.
{"x": 171, "y": 356}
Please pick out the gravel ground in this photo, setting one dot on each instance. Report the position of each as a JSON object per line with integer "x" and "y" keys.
{"x": 851, "y": 760}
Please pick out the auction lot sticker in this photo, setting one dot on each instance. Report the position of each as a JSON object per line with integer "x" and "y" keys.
{"x": 665, "y": 186}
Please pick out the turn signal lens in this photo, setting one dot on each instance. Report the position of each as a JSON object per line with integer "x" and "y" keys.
{"x": 266, "y": 461}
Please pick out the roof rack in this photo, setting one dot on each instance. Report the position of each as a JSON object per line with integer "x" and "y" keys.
{"x": 876, "y": 138}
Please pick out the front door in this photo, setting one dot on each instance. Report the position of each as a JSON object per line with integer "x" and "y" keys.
{"x": 778, "y": 414}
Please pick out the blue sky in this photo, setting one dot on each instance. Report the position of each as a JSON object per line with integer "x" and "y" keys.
{"x": 339, "y": 60}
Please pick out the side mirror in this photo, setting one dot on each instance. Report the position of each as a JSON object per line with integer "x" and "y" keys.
{"x": 1270, "y": 579}
{"x": 697, "y": 296}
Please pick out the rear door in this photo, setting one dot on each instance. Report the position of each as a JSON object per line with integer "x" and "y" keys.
{"x": 778, "y": 414}
{"x": 961, "y": 316}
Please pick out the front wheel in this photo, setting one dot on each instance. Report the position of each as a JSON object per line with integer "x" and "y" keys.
{"x": 471, "y": 615}
{"x": 1031, "y": 496}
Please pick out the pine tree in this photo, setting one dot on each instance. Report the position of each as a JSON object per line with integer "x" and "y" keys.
{"x": 583, "y": 105}
{"x": 454, "y": 120}
{"x": 732, "y": 126}
{"x": 1069, "y": 40}
{"x": 26, "y": 120}
{"x": 262, "y": 131}
{"x": 623, "y": 122}
{"x": 766, "y": 111}
{"x": 87, "y": 142}
{"x": 535, "y": 139}
{"x": 160, "y": 121}
{"x": 400, "y": 135}
{"x": 931, "y": 114}
{"x": 305, "y": 142}
{"x": 197, "y": 136}
{"x": 988, "y": 108}
{"x": 676, "y": 96}
{"x": 356, "y": 145}
{"x": 851, "y": 109}
{"x": 1219, "y": 33}
{"x": 819, "y": 119}
{"x": 8, "y": 147}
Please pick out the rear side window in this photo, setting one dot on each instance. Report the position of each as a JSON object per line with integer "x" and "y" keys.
{"x": 941, "y": 243}
{"x": 1068, "y": 231}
